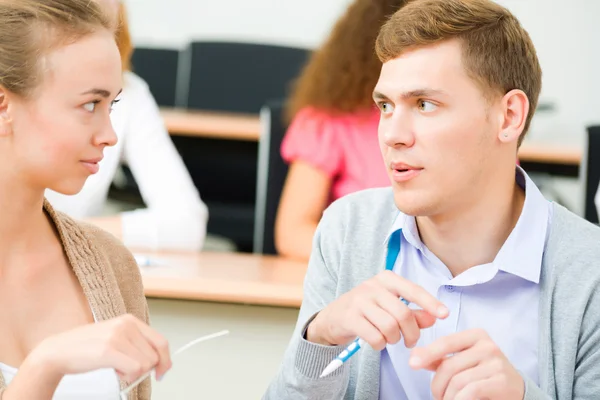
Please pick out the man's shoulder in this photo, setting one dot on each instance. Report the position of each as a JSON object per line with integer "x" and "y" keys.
{"x": 573, "y": 246}
{"x": 358, "y": 222}
{"x": 369, "y": 204}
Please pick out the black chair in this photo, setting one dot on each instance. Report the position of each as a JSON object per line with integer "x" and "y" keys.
{"x": 224, "y": 172}
{"x": 272, "y": 171}
{"x": 240, "y": 77}
{"x": 234, "y": 77}
{"x": 591, "y": 163}
{"x": 160, "y": 69}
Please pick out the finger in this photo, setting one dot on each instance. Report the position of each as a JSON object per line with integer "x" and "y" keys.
{"x": 146, "y": 353}
{"x": 404, "y": 317}
{"x": 160, "y": 345}
{"x": 127, "y": 367}
{"x": 476, "y": 390}
{"x": 401, "y": 287}
{"x": 385, "y": 323}
{"x": 451, "y": 368}
{"x": 369, "y": 333}
{"x": 424, "y": 319}
{"x": 444, "y": 346}
{"x": 461, "y": 380}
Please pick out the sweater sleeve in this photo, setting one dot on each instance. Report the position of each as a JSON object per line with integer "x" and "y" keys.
{"x": 175, "y": 217}
{"x": 298, "y": 377}
{"x": 129, "y": 280}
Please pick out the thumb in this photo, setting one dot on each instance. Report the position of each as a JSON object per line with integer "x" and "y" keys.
{"x": 424, "y": 319}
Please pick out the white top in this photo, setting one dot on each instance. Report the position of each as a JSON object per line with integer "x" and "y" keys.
{"x": 102, "y": 384}
{"x": 176, "y": 217}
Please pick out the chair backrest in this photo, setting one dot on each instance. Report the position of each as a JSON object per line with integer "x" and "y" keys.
{"x": 592, "y": 172}
{"x": 160, "y": 69}
{"x": 272, "y": 171}
{"x": 239, "y": 77}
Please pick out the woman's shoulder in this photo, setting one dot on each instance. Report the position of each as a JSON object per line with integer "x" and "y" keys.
{"x": 107, "y": 244}
{"x": 118, "y": 257}
{"x": 334, "y": 121}
{"x": 120, "y": 261}
{"x": 102, "y": 253}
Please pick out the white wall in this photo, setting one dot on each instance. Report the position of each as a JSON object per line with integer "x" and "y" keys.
{"x": 567, "y": 38}
{"x": 302, "y": 23}
{"x": 566, "y": 33}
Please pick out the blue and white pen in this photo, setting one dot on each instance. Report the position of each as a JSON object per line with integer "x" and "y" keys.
{"x": 348, "y": 352}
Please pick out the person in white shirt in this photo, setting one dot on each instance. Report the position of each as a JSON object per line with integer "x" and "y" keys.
{"x": 175, "y": 217}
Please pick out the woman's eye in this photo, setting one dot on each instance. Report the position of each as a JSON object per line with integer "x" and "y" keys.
{"x": 91, "y": 106}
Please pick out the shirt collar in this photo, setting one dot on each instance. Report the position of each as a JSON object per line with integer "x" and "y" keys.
{"x": 521, "y": 254}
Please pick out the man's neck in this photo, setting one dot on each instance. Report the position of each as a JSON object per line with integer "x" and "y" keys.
{"x": 473, "y": 235}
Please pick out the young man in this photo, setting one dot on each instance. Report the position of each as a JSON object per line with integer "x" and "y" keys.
{"x": 501, "y": 283}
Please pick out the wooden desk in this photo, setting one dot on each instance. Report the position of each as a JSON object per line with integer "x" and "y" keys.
{"x": 216, "y": 125}
{"x": 225, "y": 277}
{"x": 551, "y": 159}
{"x": 550, "y": 154}
{"x": 227, "y": 291}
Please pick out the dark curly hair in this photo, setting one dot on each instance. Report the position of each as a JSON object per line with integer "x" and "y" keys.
{"x": 340, "y": 76}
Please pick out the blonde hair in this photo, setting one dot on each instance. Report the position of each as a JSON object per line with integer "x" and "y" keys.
{"x": 497, "y": 52}
{"x": 123, "y": 38}
{"x": 30, "y": 29}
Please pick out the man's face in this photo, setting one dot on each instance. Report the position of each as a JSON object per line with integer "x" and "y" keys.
{"x": 437, "y": 132}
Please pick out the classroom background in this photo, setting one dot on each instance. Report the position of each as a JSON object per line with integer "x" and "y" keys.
{"x": 219, "y": 71}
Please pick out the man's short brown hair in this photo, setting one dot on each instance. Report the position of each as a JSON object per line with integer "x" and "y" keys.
{"x": 497, "y": 52}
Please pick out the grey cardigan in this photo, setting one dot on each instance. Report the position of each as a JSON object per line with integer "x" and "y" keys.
{"x": 349, "y": 248}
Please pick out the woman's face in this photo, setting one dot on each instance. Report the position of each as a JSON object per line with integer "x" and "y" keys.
{"x": 59, "y": 132}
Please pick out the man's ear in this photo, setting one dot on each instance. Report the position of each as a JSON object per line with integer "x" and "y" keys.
{"x": 515, "y": 105}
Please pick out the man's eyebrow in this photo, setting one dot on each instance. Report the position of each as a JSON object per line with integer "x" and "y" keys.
{"x": 411, "y": 94}
{"x": 422, "y": 93}
{"x": 379, "y": 96}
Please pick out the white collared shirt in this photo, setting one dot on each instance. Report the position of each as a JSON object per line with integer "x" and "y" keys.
{"x": 501, "y": 297}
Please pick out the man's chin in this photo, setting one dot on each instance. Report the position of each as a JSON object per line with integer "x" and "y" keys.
{"x": 411, "y": 205}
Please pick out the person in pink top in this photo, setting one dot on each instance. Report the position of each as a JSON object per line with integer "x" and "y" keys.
{"x": 331, "y": 143}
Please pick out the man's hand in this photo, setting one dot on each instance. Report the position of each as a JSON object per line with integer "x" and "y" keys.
{"x": 373, "y": 311}
{"x": 469, "y": 366}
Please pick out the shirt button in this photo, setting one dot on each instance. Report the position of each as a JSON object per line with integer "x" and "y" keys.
{"x": 450, "y": 288}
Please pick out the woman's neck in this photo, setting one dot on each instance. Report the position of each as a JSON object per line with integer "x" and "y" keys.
{"x": 23, "y": 223}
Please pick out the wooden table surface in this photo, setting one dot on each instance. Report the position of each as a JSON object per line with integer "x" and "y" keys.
{"x": 211, "y": 124}
{"x": 224, "y": 277}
